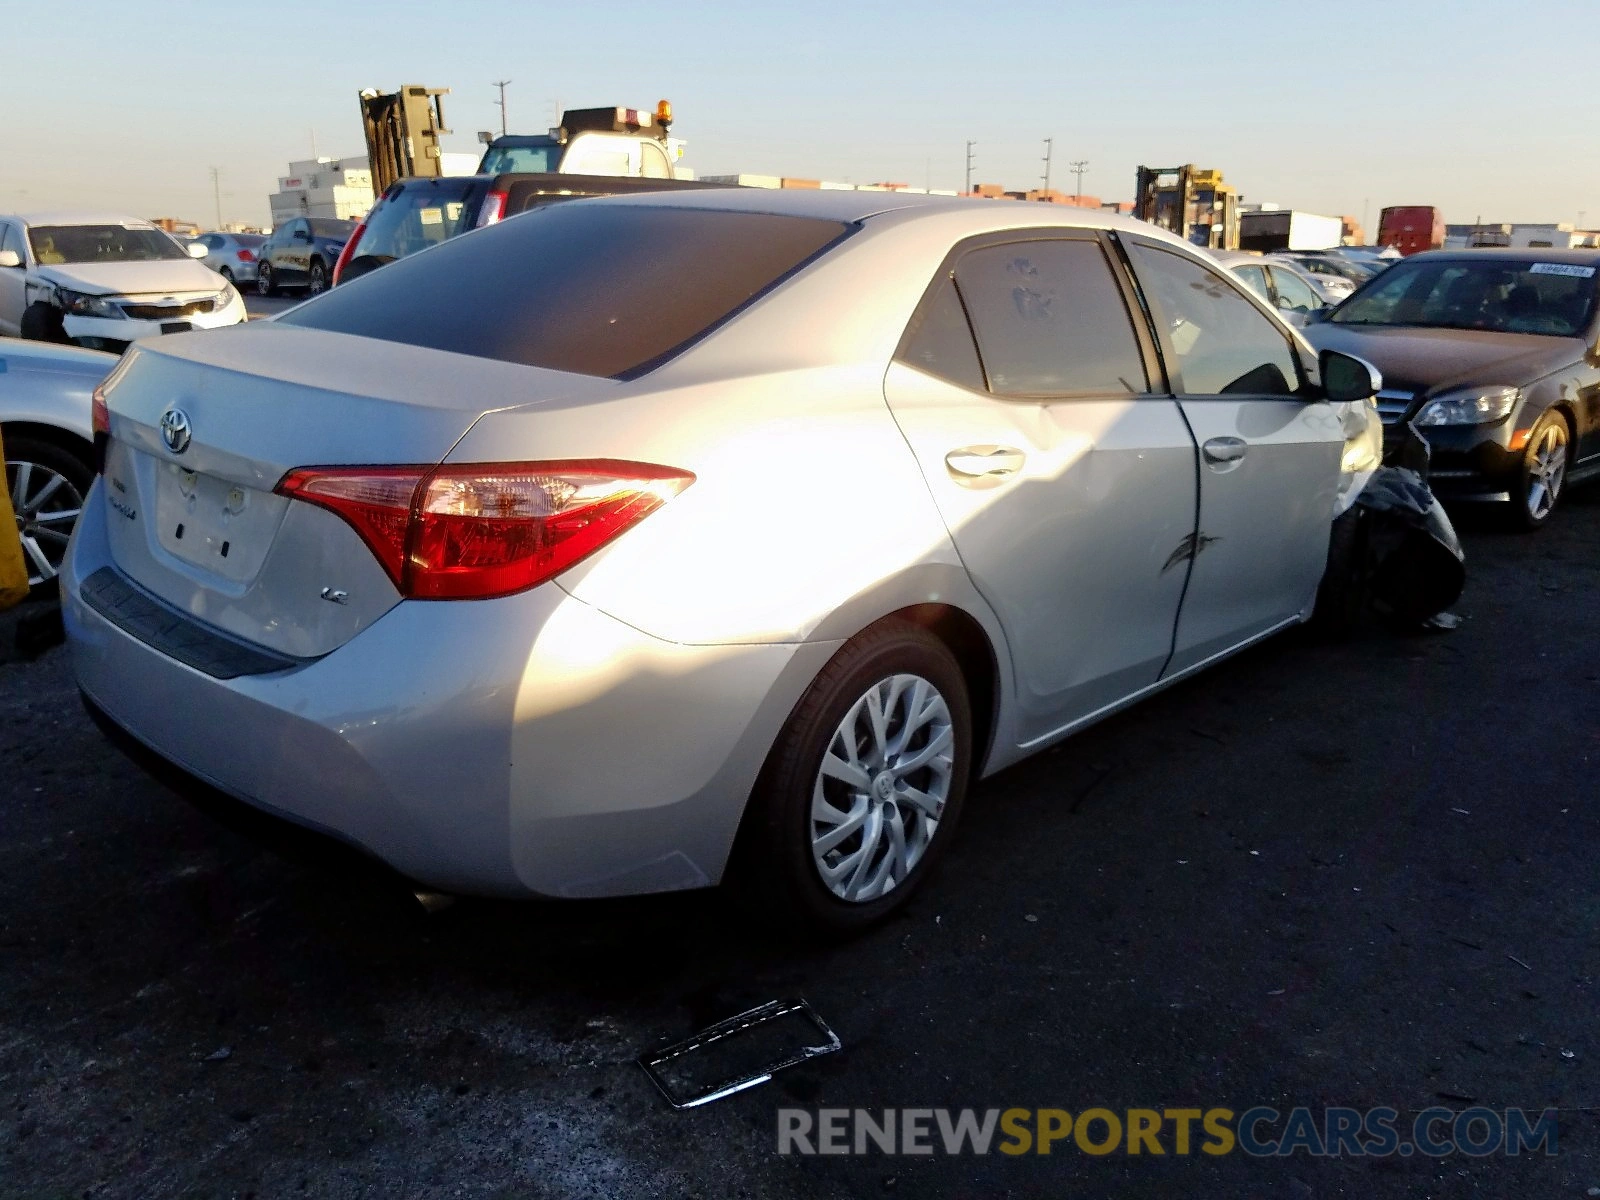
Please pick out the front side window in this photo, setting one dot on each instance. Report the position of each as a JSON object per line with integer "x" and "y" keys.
{"x": 592, "y": 287}
{"x": 1050, "y": 320}
{"x": 1223, "y": 343}
{"x": 12, "y": 240}
{"x": 327, "y": 227}
{"x": 1294, "y": 294}
{"x": 57, "y": 244}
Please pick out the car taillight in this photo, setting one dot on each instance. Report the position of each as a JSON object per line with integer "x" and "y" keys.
{"x": 494, "y": 209}
{"x": 245, "y": 255}
{"x": 100, "y": 423}
{"x": 348, "y": 249}
{"x": 470, "y": 531}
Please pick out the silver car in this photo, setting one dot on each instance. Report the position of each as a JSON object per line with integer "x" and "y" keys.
{"x": 232, "y": 255}
{"x": 45, "y": 424}
{"x": 635, "y": 542}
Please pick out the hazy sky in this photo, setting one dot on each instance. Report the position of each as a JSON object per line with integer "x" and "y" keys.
{"x": 1485, "y": 109}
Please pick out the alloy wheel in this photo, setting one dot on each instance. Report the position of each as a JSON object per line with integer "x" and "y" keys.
{"x": 882, "y": 787}
{"x": 47, "y": 506}
{"x": 1547, "y": 471}
{"x": 319, "y": 280}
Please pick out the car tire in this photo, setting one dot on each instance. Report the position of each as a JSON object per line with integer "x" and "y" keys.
{"x": 226, "y": 273}
{"x": 265, "y": 284}
{"x": 67, "y": 476}
{"x": 43, "y": 322}
{"x": 317, "y": 281}
{"x": 1343, "y": 594}
{"x": 1542, "y": 480}
{"x": 878, "y": 840}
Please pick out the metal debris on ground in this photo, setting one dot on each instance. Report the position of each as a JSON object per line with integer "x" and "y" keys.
{"x": 738, "y": 1053}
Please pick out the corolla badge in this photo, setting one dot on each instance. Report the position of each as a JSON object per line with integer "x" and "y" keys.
{"x": 175, "y": 430}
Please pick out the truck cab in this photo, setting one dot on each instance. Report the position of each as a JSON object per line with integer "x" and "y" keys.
{"x": 625, "y": 142}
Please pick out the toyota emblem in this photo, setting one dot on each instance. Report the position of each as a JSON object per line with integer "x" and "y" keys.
{"x": 175, "y": 430}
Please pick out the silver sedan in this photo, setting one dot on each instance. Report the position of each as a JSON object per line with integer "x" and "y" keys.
{"x": 232, "y": 255}
{"x": 637, "y": 543}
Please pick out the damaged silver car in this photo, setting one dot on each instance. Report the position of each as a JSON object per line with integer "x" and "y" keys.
{"x": 598, "y": 550}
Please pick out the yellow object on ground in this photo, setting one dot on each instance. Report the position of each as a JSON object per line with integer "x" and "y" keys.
{"x": 13, "y": 568}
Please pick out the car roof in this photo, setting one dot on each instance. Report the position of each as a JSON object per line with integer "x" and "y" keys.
{"x": 972, "y": 214}
{"x": 1582, "y": 256}
{"x": 69, "y": 217}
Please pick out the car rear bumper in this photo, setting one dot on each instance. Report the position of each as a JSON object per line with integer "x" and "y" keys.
{"x": 530, "y": 745}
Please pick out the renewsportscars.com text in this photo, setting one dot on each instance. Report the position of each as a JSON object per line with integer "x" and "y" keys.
{"x": 1259, "y": 1132}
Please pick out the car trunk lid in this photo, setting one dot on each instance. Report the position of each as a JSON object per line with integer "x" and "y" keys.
{"x": 203, "y": 428}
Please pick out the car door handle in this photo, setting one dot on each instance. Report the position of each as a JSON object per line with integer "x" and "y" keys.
{"x": 972, "y": 463}
{"x": 1224, "y": 453}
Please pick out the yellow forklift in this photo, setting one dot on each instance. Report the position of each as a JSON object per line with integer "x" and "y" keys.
{"x": 1194, "y": 204}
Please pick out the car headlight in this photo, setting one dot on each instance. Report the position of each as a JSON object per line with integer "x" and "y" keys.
{"x": 224, "y": 298}
{"x": 80, "y": 304}
{"x": 1470, "y": 406}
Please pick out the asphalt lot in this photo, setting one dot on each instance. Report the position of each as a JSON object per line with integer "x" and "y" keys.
{"x": 257, "y": 306}
{"x": 1358, "y": 874}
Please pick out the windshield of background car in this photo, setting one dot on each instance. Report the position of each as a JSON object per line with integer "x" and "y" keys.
{"x": 420, "y": 215}
{"x": 1492, "y": 294}
{"x": 323, "y": 227}
{"x": 588, "y": 286}
{"x": 502, "y": 160}
{"x": 56, "y": 244}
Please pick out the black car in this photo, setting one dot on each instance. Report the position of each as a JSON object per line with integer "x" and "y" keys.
{"x": 301, "y": 254}
{"x": 1494, "y": 356}
{"x": 414, "y": 214}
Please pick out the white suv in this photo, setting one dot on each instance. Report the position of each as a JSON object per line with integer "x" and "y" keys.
{"x": 103, "y": 281}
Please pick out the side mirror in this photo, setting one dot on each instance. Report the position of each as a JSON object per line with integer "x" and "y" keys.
{"x": 197, "y": 249}
{"x": 1318, "y": 315}
{"x": 10, "y": 258}
{"x": 1347, "y": 379}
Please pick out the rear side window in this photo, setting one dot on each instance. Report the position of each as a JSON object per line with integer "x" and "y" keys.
{"x": 939, "y": 340}
{"x": 590, "y": 287}
{"x": 1050, "y": 320}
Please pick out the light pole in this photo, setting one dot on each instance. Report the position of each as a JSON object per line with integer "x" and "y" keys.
{"x": 216, "y": 192}
{"x": 1049, "y": 146}
{"x": 970, "y": 146}
{"x": 1079, "y": 166}
{"x": 501, "y": 84}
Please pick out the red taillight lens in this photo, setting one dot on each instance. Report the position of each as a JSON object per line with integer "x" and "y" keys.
{"x": 494, "y": 209}
{"x": 348, "y": 250}
{"x": 246, "y": 255}
{"x": 476, "y": 530}
{"x": 100, "y": 422}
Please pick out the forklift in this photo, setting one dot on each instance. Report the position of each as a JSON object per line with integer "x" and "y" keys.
{"x": 1194, "y": 204}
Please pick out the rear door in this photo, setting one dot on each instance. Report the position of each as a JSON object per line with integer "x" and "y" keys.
{"x": 1269, "y": 454}
{"x": 1066, "y": 479}
{"x": 294, "y": 260}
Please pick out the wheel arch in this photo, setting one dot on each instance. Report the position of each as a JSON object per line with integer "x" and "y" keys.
{"x": 64, "y": 439}
{"x": 969, "y": 643}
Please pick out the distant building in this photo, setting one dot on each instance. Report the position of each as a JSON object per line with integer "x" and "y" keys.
{"x": 174, "y": 226}
{"x": 323, "y": 187}
{"x": 1353, "y": 234}
{"x": 1528, "y": 236}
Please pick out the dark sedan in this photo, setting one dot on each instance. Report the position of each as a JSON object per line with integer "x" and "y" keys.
{"x": 300, "y": 254}
{"x": 1494, "y": 355}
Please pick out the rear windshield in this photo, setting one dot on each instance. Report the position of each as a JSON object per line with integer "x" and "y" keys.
{"x": 593, "y": 287}
{"x": 416, "y": 216}
{"x": 501, "y": 160}
{"x": 324, "y": 227}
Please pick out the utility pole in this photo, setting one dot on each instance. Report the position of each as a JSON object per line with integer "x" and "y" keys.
{"x": 216, "y": 191}
{"x": 970, "y": 146}
{"x": 501, "y": 84}
{"x": 1078, "y": 167}
{"x": 1049, "y": 147}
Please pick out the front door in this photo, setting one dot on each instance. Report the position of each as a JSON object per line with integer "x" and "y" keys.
{"x": 1269, "y": 455}
{"x": 1066, "y": 480}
